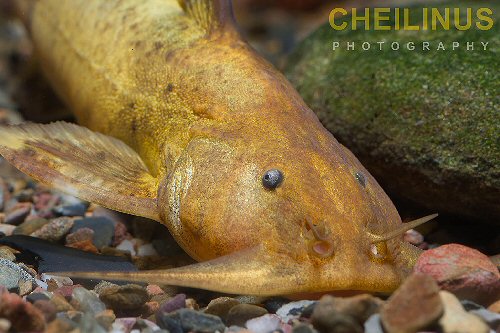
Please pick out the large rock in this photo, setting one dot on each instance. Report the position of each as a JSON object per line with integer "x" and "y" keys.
{"x": 425, "y": 123}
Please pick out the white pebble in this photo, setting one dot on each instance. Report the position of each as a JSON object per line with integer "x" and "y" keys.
{"x": 264, "y": 324}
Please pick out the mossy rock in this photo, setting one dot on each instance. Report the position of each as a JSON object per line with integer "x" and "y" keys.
{"x": 425, "y": 123}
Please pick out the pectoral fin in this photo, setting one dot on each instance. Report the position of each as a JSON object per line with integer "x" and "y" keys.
{"x": 250, "y": 272}
{"x": 86, "y": 164}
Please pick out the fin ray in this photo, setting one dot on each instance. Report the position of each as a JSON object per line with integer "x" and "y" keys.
{"x": 86, "y": 164}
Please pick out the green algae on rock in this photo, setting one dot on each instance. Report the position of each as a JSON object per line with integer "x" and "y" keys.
{"x": 425, "y": 123}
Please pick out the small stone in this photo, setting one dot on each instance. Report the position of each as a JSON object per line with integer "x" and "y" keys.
{"x": 490, "y": 318}
{"x": 7, "y": 229}
{"x": 173, "y": 304}
{"x": 4, "y": 193}
{"x": 413, "y": 237}
{"x": 456, "y": 320}
{"x": 154, "y": 290}
{"x": 54, "y": 230}
{"x": 23, "y": 316}
{"x": 105, "y": 318}
{"x": 415, "y": 306}
{"x": 293, "y": 310}
{"x": 221, "y": 306}
{"x": 305, "y": 328}
{"x": 104, "y": 229}
{"x": 465, "y": 272}
{"x": 191, "y": 321}
{"x": 11, "y": 274}
{"x": 5, "y": 325}
{"x": 264, "y": 324}
{"x": 126, "y": 297}
{"x": 60, "y": 325}
{"x": 77, "y": 209}
{"x": 47, "y": 309}
{"x": 121, "y": 233}
{"x": 128, "y": 246}
{"x": 192, "y": 304}
{"x": 79, "y": 235}
{"x": 6, "y": 253}
{"x": 88, "y": 301}
{"x": 239, "y": 314}
{"x": 373, "y": 324}
{"x": 67, "y": 291}
{"x": 25, "y": 287}
{"x": 495, "y": 307}
{"x": 33, "y": 297}
{"x": 60, "y": 303}
{"x": 104, "y": 285}
{"x": 30, "y": 226}
{"x": 335, "y": 314}
{"x": 274, "y": 303}
{"x": 85, "y": 245}
{"x": 89, "y": 324}
{"x": 146, "y": 250}
{"x": 18, "y": 214}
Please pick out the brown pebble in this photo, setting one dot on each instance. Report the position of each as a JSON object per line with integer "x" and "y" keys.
{"x": 55, "y": 230}
{"x": 85, "y": 245}
{"x": 17, "y": 215}
{"x": 30, "y": 226}
{"x": 414, "y": 307}
{"x": 60, "y": 303}
{"x": 47, "y": 308}
{"x": 105, "y": 318}
{"x": 192, "y": 304}
{"x": 126, "y": 297}
{"x": 23, "y": 315}
{"x": 60, "y": 326}
{"x": 79, "y": 235}
{"x": 239, "y": 314}
{"x": 221, "y": 306}
{"x": 337, "y": 314}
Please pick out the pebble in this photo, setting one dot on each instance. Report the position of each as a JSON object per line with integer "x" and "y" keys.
{"x": 88, "y": 301}
{"x": 239, "y": 314}
{"x": 274, "y": 303}
{"x": 127, "y": 245}
{"x": 30, "y": 226}
{"x": 12, "y": 274}
{"x": 47, "y": 309}
{"x": 126, "y": 297}
{"x": 413, "y": 237}
{"x": 373, "y": 324}
{"x": 18, "y": 214}
{"x": 335, "y": 314}
{"x": 55, "y": 230}
{"x": 221, "y": 306}
{"x": 456, "y": 320}
{"x": 465, "y": 272}
{"x": 105, "y": 318}
{"x": 6, "y": 253}
{"x": 175, "y": 303}
{"x": 33, "y": 297}
{"x": 23, "y": 316}
{"x": 489, "y": 317}
{"x": 121, "y": 233}
{"x": 103, "y": 227}
{"x": 7, "y": 229}
{"x": 190, "y": 321}
{"x": 5, "y": 325}
{"x": 415, "y": 306}
{"x": 82, "y": 234}
{"x": 78, "y": 209}
{"x": 86, "y": 245}
{"x": 154, "y": 290}
{"x": 146, "y": 250}
{"x": 60, "y": 325}
{"x": 293, "y": 310}
{"x": 60, "y": 303}
{"x": 305, "y": 328}
{"x": 495, "y": 307}
{"x": 264, "y": 324}
{"x": 4, "y": 193}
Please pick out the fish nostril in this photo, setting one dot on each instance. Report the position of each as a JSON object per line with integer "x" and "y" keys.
{"x": 322, "y": 248}
{"x": 379, "y": 251}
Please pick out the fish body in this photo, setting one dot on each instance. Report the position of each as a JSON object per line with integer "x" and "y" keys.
{"x": 185, "y": 124}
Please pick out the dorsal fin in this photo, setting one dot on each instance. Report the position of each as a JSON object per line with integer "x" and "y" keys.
{"x": 211, "y": 15}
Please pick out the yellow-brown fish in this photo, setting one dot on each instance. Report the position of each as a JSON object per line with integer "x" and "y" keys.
{"x": 186, "y": 124}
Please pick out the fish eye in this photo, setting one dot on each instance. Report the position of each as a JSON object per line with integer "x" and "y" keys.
{"x": 272, "y": 179}
{"x": 360, "y": 178}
